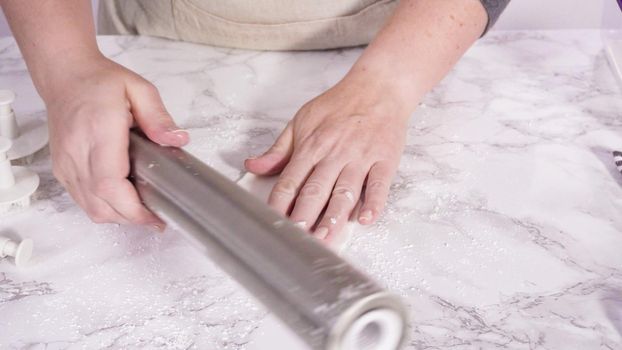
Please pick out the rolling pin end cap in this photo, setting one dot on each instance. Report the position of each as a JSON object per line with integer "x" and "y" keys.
{"x": 378, "y": 329}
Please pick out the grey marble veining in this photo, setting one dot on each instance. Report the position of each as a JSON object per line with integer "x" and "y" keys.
{"x": 503, "y": 229}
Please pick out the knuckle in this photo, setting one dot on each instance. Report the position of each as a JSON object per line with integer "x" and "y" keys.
{"x": 376, "y": 186}
{"x": 311, "y": 189}
{"x": 310, "y": 107}
{"x": 99, "y": 215}
{"x": 285, "y": 186}
{"x": 147, "y": 86}
{"x": 151, "y": 87}
{"x": 104, "y": 188}
{"x": 344, "y": 191}
{"x": 138, "y": 217}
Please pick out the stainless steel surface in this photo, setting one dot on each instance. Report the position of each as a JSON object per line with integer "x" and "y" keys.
{"x": 314, "y": 291}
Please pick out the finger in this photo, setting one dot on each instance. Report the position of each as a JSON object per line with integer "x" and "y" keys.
{"x": 289, "y": 183}
{"x": 275, "y": 158}
{"x": 343, "y": 200}
{"x": 152, "y": 117}
{"x": 314, "y": 194}
{"x": 121, "y": 196}
{"x": 376, "y": 191}
{"x": 108, "y": 166}
{"x": 101, "y": 212}
{"x": 97, "y": 210}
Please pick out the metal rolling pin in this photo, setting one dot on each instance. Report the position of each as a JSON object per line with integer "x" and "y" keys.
{"x": 322, "y": 298}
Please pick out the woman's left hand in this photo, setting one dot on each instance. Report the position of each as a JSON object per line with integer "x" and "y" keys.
{"x": 341, "y": 146}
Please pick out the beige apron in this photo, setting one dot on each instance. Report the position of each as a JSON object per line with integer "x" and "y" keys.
{"x": 250, "y": 24}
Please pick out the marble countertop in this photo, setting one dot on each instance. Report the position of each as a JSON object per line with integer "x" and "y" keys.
{"x": 503, "y": 229}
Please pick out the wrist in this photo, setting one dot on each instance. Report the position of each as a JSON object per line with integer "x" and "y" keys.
{"x": 394, "y": 94}
{"x": 57, "y": 72}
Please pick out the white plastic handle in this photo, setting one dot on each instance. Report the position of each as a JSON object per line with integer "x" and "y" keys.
{"x": 22, "y": 252}
{"x": 8, "y": 122}
{"x": 7, "y": 97}
{"x": 7, "y": 179}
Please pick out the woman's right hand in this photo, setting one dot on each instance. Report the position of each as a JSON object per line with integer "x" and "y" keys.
{"x": 92, "y": 103}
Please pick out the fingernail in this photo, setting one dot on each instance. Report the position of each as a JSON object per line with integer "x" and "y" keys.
{"x": 366, "y": 216}
{"x": 321, "y": 233}
{"x": 179, "y": 133}
{"x": 301, "y": 224}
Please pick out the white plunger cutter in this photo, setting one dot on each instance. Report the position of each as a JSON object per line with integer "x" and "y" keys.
{"x": 17, "y": 183}
{"x": 27, "y": 138}
{"x": 20, "y": 252}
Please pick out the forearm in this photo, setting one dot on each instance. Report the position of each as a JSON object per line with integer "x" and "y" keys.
{"x": 52, "y": 35}
{"x": 418, "y": 46}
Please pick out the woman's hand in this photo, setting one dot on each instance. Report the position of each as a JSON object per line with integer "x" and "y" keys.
{"x": 92, "y": 103}
{"x": 350, "y": 138}
{"x": 343, "y": 145}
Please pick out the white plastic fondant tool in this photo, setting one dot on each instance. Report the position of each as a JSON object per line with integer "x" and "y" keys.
{"x": 17, "y": 183}
{"x": 617, "y": 158}
{"x": 27, "y": 138}
{"x": 20, "y": 252}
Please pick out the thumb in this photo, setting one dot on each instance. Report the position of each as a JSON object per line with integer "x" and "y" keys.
{"x": 275, "y": 158}
{"x": 152, "y": 117}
